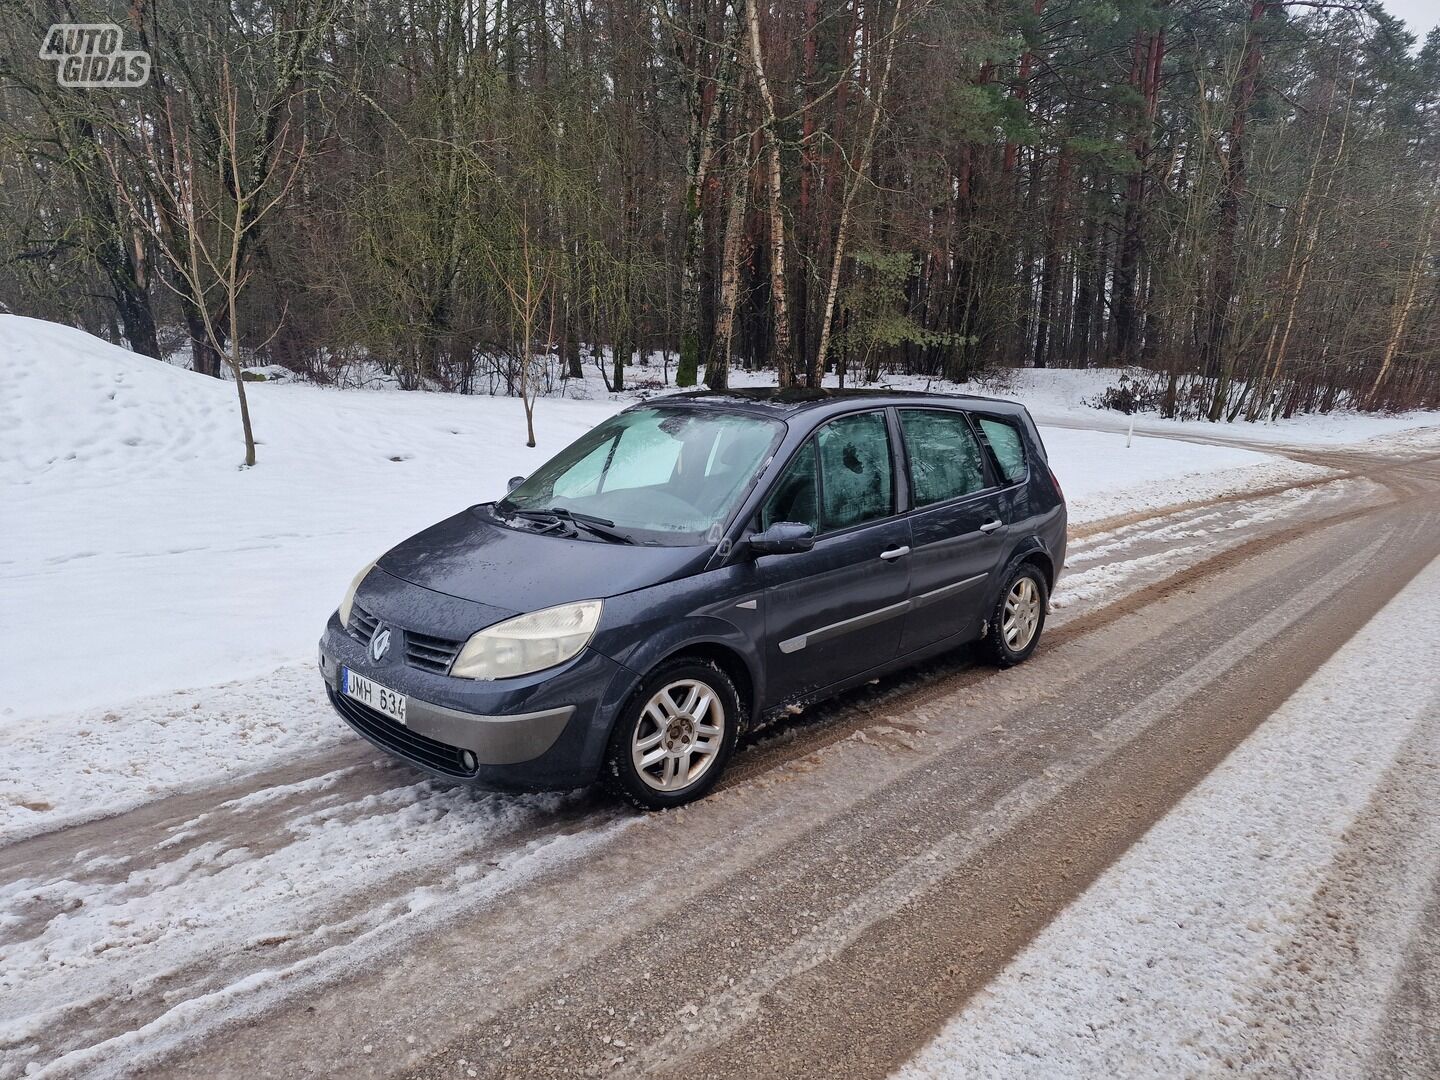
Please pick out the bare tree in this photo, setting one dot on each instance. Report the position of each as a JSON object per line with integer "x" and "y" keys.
{"x": 853, "y": 179}
{"x": 202, "y": 231}
{"x": 1405, "y": 306}
{"x": 784, "y": 357}
{"x": 528, "y": 278}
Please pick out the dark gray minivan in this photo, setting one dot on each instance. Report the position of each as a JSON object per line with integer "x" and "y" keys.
{"x": 690, "y": 566}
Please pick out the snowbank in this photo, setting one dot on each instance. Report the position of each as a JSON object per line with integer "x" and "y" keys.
{"x": 138, "y": 557}
{"x": 1064, "y": 395}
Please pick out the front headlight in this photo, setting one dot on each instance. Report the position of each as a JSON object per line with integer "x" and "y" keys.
{"x": 528, "y": 643}
{"x": 349, "y": 601}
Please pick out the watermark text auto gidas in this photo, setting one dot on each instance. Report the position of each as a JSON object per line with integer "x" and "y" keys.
{"x": 90, "y": 55}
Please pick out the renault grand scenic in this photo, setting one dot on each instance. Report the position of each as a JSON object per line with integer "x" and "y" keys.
{"x": 689, "y": 567}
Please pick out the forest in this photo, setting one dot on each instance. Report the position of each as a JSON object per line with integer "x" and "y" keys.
{"x": 1236, "y": 198}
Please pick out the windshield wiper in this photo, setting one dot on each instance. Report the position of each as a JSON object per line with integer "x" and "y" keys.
{"x": 601, "y": 527}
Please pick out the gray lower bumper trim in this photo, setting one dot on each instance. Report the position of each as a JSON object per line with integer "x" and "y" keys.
{"x": 495, "y": 740}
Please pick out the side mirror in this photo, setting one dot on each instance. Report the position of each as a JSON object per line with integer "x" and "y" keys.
{"x": 783, "y": 538}
{"x": 513, "y": 483}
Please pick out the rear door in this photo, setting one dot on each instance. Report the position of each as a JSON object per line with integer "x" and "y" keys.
{"x": 838, "y": 609}
{"x": 957, "y": 527}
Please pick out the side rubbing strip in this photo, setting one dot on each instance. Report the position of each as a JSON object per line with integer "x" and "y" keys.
{"x": 945, "y": 591}
{"x": 859, "y": 622}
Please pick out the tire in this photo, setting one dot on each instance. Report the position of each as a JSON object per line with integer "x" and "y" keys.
{"x": 1010, "y": 633}
{"x": 691, "y": 695}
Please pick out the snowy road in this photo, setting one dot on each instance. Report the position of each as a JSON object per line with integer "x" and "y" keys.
{"x": 861, "y": 874}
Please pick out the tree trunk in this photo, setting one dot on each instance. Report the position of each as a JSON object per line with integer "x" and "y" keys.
{"x": 852, "y": 185}
{"x": 717, "y": 374}
{"x": 1404, "y": 308}
{"x": 205, "y": 358}
{"x": 699, "y": 150}
{"x": 244, "y": 413}
{"x": 1050, "y": 274}
{"x": 1149, "y": 52}
{"x": 783, "y": 353}
{"x": 1022, "y": 90}
{"x": 1216, "y": 362}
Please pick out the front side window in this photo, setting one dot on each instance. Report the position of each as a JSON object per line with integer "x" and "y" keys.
{"x": 945, "y": 459}
{"x": 856, "y": 480}
{"x": 665, "y": 475}
{"x": 1009, "y": 448}
{"x": 796, "y": 495}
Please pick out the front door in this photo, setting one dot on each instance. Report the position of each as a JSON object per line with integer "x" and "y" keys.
{"x": 838, "y": 609}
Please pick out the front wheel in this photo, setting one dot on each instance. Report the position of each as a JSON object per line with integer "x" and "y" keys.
{"x": 1013, "y": 629}
{"x": 675, "y": 736}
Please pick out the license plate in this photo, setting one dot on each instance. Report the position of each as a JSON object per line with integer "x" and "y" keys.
{"x": 369, "y": 692}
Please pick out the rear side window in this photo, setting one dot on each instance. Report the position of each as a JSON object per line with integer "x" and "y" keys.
{"x": 1009, "y": 448}
{"x": 945, "y": 459}
{"x": 855, "y": 472}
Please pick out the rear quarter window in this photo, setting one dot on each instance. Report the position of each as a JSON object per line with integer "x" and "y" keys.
{"x": 1009, "y": 447}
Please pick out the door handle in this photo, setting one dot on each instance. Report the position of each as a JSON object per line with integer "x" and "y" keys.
{"x": 991, "y": 526}
{"x": 895, "y": 553}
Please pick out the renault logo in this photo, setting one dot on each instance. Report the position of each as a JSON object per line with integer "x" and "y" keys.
{"x": 380, "y": 644}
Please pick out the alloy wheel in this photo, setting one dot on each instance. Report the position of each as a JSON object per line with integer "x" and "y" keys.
{"x": 1022, "y": 614}
{"x": 680, "y": 732}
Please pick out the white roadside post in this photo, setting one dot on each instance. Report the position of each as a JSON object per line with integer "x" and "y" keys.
{"x": 1131, "y": 433}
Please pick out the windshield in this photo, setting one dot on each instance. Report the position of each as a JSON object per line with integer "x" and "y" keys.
{"x": 659, "y": 474}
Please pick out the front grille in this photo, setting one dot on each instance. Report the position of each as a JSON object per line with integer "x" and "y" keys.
{"x": 424, "y": 651}
{"x": 362, "y": 624}
{"x": 398, "y": 739}
{"x": 430, "y": 653}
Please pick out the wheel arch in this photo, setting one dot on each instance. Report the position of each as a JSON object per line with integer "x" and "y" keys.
{"x": 1030, "y": 550}
{"x": 728, "y": 660}
{"x": 719, "y": 641}
{"x": 1045, "y": 564}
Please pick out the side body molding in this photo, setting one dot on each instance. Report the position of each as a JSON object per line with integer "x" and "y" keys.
{"x": 879, "y": 615}
{"x": 844, "y": 626}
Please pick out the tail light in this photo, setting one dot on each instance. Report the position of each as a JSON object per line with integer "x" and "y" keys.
{"x": 1056, "y": 482}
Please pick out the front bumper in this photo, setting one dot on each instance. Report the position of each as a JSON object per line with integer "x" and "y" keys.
{"x": 540, "y": 732}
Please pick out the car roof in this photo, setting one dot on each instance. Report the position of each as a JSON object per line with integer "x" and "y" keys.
{"x": 793, "y": 400}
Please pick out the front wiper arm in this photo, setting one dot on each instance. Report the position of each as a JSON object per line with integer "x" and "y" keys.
{"x": 547, "y": 519}
{"x": 603, "y": 531}
{"x": 602, "y": 527}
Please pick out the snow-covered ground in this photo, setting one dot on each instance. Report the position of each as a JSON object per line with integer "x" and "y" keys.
{"x": 140, "y": 566}
{"x": 112, "y": 932}
{"x": 1066, "y": 396}
{"x": 1191, "y": 954}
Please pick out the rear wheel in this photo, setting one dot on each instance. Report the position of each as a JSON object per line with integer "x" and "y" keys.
{"x": 1013, "y": 629}
{"x": 675, "y": 736}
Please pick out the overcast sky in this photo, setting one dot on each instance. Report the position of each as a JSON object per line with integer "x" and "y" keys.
{"x": 1419, "y": 15}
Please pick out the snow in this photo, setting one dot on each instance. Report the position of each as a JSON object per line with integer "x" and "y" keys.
{"x": 140, "y": 562}
{"x": 1065, "y": 395}
{"x": 77, "y": 766}
{"x": 1102, "y": 477}
{"x": 139, "y": 557}
{"x": 1179, "y": 959}
{"x": 229, "y": 929}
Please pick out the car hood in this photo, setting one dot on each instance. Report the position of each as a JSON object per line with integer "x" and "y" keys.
{"x": 475, "y": 559}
